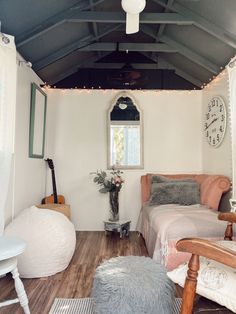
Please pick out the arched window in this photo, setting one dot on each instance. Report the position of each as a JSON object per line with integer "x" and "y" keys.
{"x": 125, "y": 145}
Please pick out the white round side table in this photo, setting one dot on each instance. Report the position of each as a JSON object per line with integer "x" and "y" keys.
{"x": 10, "y": 247}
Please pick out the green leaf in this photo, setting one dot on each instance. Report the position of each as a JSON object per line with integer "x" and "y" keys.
{"x": 103, "y": 174}
{"x": 103, "y": 190}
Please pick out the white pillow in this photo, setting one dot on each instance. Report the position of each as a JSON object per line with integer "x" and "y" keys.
{"x": 216, "y": 281}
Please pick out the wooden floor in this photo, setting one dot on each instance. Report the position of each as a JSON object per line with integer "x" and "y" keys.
{"x": 76, "y": 281}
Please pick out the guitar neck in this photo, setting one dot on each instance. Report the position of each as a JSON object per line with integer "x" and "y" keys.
{"x": 54, "y": 187}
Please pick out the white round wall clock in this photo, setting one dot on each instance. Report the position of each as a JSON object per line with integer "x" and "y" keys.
{"x": 215, "y": 121}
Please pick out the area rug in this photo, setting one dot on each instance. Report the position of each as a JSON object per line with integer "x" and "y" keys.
{"x": 86, "y": 306}
{"x": 72, "y": 306}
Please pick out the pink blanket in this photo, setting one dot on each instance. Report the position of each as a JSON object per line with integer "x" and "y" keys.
{"x": 162, "y": 226}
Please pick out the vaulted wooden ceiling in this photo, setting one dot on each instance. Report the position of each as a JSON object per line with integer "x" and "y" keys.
{"x": 181, "y": 44}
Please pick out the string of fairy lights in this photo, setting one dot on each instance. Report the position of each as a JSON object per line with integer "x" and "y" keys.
{"x": 115, "y": 91}
{"x": 213, "y": 81}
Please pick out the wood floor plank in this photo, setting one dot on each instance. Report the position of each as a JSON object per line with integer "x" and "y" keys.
{"x": 92, "y": 248}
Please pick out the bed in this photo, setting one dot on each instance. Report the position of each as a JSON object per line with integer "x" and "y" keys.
{"x": 164, "y": 224}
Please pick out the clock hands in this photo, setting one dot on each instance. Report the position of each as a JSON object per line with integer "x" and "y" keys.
{"x": 214, "y": 120}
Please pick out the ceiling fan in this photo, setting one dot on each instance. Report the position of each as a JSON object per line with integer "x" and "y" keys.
{"x": 127, "y": 76}
{"x": 132, "y": 8}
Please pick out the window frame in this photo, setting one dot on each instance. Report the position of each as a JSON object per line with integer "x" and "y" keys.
{"x": 109, "y": 123}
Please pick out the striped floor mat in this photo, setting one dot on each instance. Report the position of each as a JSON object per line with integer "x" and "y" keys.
{"x": 72, "y": 306}
{"x": 86, "y": 306}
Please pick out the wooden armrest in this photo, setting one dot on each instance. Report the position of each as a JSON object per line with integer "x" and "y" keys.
{"x": 200, "y": 247}
{"x": 207, "y": 249}
{"x": 228, "y": 216}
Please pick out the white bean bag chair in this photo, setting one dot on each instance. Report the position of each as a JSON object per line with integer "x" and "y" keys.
{"x": 50, "y": 239}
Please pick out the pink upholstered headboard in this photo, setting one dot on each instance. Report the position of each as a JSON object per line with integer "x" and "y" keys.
{"x": 211, "y": 187}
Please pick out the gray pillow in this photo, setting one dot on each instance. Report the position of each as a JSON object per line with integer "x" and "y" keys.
{"x": 183, "y": 193}
{"x": 160, "y": 179}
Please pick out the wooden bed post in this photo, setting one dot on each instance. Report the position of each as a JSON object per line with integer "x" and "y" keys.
{"x": 190, "y": 285}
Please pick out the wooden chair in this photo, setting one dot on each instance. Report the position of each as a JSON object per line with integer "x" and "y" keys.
{"x": 200, "y": 247}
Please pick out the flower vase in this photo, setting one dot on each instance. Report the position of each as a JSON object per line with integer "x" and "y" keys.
{"x": 114, "y": 205}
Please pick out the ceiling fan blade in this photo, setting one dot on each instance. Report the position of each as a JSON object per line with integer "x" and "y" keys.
{"x": 132, "y": 23}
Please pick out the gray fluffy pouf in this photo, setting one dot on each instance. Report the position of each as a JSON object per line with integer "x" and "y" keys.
{"x": 132, "y": 285}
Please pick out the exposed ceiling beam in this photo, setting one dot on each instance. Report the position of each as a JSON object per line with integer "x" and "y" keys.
{"x": 75, "y": 68}
{"x": 200, "y": 22}
{"x": 188, "y": 77}
{"x": 183, "y": 50}
{"x": 157, "y": 63}
{"x": 95, "y": 26}
{"x": 180, "y": 72}
{"x": 157, "y": 47}
{"x": 140, "y": 66}
{"x": 154, "y": 58}
{"x": 120, "y": 17}
{"x": 106, "y": 65}
{"x": 61, "y": 53}
{"x": 53, "y": 21}
{"x": 161, "y": 28}
{"x": 191, "y": 55}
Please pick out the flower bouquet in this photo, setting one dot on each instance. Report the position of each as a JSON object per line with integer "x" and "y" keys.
{"x": 111, "y": 183}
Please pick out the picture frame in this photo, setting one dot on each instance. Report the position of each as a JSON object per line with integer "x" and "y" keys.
{"x": 38, "y": 110}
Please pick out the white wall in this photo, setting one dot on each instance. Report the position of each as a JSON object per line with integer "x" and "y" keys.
{"x": 217, "y": 160}
{"x": 29, "y": 175}
{"x": 77, "y": 140}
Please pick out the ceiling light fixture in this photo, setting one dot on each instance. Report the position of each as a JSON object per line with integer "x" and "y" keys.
{"x": 122, "y": 105}
{"x": 132, "y": 9}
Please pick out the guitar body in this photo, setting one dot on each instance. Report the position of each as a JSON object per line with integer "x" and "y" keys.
{"x": 54, "y": 198}
{"x": 50, "y": 199}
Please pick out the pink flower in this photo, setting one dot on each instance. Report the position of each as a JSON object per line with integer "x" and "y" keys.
{"x": 118, "y": 180}
{"x": 108, "y": 183}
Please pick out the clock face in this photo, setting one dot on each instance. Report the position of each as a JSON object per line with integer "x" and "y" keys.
{"x": 215, "y": 121}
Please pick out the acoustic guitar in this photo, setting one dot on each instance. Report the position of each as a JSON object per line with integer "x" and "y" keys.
{"x": 54, "y": 198}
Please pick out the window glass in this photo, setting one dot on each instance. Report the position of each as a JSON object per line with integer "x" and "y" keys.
{"x": 125, "y": 144}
